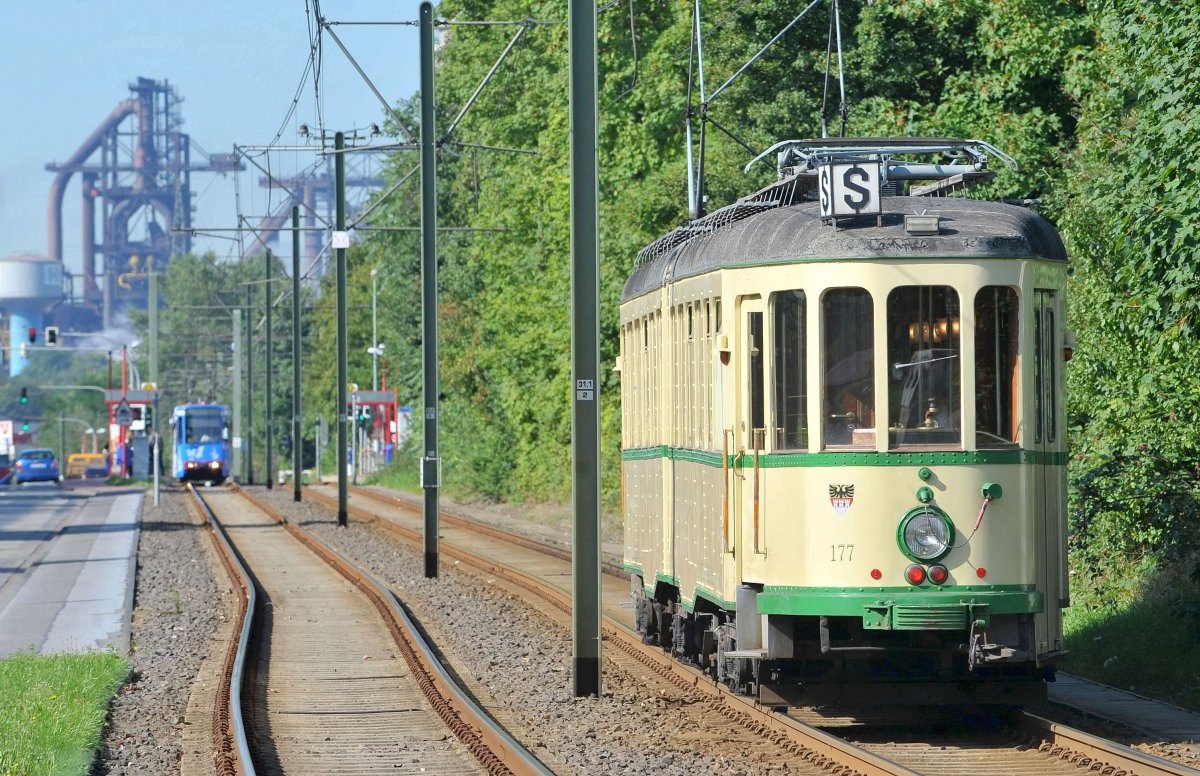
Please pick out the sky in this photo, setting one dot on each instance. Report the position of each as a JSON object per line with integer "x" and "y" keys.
{"x": 237, "y": 64}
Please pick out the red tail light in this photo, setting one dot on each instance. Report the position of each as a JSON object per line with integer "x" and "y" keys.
{"x": 876, "y": 574}
{"x": 981, "y": 572}
{"x": 938, "y": 574}
{"x": 914, "y": 574}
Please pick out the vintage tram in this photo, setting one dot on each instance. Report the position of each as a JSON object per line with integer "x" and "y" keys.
{"x": 843, "y": 445}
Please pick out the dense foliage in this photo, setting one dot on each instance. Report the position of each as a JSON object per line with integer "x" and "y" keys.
{"x": 1129, "y": 211}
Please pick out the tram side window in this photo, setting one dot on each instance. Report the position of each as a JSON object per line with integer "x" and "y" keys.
{"x": 848, "y": 366}
{"x": 996, "y": 376}
{"x": 925, "y": 367}
{"x": 757, "y": 411}
{"x": 789, "y": 371}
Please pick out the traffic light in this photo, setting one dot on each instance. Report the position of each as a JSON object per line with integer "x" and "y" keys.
{"x": 25, "y": 427}
{"x": 51, "y": 336}
{"x": 32, "y": 335}
{"x": 24, "y": 395}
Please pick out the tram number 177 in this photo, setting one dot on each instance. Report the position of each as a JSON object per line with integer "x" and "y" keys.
{"x": 840, "y": 552}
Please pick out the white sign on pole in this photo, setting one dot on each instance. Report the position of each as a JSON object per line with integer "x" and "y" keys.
{"x": 849, "y": 189}
{"x": 341, "y": 239}
{"x": 6, "y": 437}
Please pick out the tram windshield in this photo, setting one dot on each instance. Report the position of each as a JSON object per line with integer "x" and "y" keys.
{"x": 203, "y": 426}
{"x": 925, "y": 367}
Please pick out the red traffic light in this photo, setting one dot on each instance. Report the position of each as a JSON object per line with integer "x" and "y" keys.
{"x": 32, "y": 335}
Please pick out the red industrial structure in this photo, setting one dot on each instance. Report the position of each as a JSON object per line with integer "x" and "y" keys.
{"x": 135, "y": 168}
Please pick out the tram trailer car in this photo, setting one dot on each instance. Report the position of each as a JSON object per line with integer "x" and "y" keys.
{"x": 201, "y": 443}
{"x": 843, "y": 447}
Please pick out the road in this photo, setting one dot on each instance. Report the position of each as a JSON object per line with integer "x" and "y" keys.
{"x": 67, "y": 565}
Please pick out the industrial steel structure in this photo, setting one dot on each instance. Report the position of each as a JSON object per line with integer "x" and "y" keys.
{"x": 135, "y": 168}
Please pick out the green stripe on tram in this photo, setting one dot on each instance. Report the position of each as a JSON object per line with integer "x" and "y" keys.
{"x": 858, "y": 458}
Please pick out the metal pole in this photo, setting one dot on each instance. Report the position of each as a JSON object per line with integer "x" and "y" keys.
{"x": 585, "y": 344}
{"x": 62, "y": 444}
{"x": 297, "y": 433}
{"x": 156, "y": 450}
{"x": 339, "y": 171}
{"x": 249, "y": 389}
{"x": 237, "y": 391}
{"x": 270, "y": 408}
{"x": 374, "y": 331}
{"x": 354, "y": 437}
{"x": 429, "y": 333}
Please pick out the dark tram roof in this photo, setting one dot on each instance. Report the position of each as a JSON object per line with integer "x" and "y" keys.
{"x": 969, "y": 228}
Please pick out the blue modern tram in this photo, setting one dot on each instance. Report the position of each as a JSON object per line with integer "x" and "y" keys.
{"x": 201, "y": 443}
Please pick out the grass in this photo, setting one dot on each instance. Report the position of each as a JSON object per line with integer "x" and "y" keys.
{"x": 52, "y": 710}
{"x": 1138, "y": 629}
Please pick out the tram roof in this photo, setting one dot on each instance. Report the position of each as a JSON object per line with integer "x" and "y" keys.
{"x": 969, "y": 228}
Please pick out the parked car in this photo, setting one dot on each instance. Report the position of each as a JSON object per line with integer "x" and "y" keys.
{"x": 36, "y": 464}
{"x": 87, "y": 466}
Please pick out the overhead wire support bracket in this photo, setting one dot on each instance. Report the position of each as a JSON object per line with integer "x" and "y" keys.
{"x": 241, "y": 152}
{"x": 761, "y": 51}
{"x": 404, "y": 130}
{"x": 484, "y": 147}
{"x": 479, "y": 89}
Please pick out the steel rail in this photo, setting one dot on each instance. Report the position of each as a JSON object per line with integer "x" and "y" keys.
{"x": 490, "y": 743}
{"x": 607, "y": 565}
{"x": 809, "y": 744}
{"x": 229, "y": 729}
{"x": 1095, "y": 753}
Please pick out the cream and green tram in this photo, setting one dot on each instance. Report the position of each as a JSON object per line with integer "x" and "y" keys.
{"x": 843, "y": 446}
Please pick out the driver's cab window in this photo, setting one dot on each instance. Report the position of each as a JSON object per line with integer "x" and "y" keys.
{"x": 848, "y": 368}
{"x": 925, "y": 367}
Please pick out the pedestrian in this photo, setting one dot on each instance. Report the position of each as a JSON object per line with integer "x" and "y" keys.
{"x": 129, "y": 460}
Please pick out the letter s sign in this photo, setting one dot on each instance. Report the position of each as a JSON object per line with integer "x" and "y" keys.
{"x": 850, "y": 189}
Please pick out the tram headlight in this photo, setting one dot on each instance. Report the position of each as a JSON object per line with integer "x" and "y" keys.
{"x": 925, "y": 534}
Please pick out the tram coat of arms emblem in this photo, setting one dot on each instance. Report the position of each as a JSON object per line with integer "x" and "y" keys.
{"x": 842, "y": 498}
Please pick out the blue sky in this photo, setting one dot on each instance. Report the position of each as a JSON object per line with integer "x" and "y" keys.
{"x": 65, "y": 64}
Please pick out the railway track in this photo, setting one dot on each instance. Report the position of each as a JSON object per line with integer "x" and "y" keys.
{"x": 328, "y": 675}
{"x": 1023, "y": 744}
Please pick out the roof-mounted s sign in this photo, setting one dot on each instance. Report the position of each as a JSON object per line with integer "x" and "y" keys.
{"x": 849, "y": 189}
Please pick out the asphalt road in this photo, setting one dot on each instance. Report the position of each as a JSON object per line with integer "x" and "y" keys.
{"x": 67, "y": 564}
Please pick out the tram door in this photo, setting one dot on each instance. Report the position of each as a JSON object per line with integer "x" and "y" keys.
{"x": 1049, "y": 478}
{"x": 750, "y": 433}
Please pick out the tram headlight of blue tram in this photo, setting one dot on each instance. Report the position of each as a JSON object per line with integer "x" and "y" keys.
{"x": 926, "y": 534}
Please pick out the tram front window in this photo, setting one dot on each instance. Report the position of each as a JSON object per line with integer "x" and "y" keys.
{"x": 204, "y": 427}
{"x": 848, "y": 354}
{"x": 925, "y": 367}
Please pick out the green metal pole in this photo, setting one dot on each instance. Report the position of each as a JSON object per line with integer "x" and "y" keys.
{"x": 429, "y": 265}
{"x": 237, "y": 391}
{"x": 249, "y": 388}
{"x": 62, "y": 444}
{"x": 339, "y": 172}
{"x": 270, "y": 408}
{"x": 585, "y": 344}
{"x": 297, "y": 433}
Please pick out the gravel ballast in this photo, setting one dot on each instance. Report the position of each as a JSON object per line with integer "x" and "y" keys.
{"x": 178, "y": 609}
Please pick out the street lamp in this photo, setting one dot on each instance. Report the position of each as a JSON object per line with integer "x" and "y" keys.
{"x": 375, "y": 348}
{"x": 95, "y": 432}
